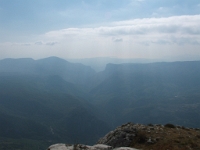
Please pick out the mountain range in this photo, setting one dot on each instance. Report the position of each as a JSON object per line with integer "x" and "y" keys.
{"x": 52, "y": 100}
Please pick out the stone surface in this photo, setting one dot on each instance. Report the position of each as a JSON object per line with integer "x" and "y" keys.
{"x": 121, "y": 136}
{"x": 125, "y": 148}
{"x": 60, "y": 147}
{"x": 79, "y": 147}
{"x": 150, "y": 136}
{"x": 86, "y": 147}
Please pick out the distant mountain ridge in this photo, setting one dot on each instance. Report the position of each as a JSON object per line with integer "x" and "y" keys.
{"x": 99, "y": 63}
{"x": 157, "y": 91}
{"x": 72, "y": 72}
{"x": 60, "y": 101}
{"x": 39, "y": 106}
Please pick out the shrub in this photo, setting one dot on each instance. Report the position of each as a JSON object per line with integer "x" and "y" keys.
{"x": 198, "y": 136}
{"x": 141, "y": 137}
{"x": 170, "y": 125}
{"x": 150, "y": 124}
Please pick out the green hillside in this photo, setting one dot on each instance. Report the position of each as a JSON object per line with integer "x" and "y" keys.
{"x": 51, "y": 100}
{"x": 46, "y": 109}
{"x": 155, "y": 92}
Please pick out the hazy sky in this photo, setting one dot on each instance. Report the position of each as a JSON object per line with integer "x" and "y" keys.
{"x": 99, "y": 28}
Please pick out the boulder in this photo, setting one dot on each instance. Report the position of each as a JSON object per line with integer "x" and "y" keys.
{"x": 86, "y": 147}
{"x": 120, "y": 137}
{"x": 125, "y": 148}
{"x": 79, "y": 147}
{"x": 60, "y": 147}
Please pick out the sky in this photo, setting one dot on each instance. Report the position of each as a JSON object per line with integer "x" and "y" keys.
{"x": 153, "y": 29}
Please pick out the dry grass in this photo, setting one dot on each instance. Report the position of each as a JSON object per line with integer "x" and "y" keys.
{"x": 166, "y": 138}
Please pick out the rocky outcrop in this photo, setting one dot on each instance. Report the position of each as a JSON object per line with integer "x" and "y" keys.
{"x": 119, "y": 139}
{"x": 157, "y": 137}
{"x": 144, "y": 137}
{"x": 86, "y": 147}
{"x": 79, "y": 147}
{"x": 121, "y": 136}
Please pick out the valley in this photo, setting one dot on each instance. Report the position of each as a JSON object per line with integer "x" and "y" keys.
{"x": 52, "y": 100}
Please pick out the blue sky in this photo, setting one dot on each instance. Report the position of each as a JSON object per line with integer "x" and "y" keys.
{"x": 100, "y": 28}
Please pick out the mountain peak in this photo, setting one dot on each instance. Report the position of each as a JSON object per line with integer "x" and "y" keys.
{"x": 53, "y": 59}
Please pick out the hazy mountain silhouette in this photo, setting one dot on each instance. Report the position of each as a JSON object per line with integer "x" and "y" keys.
{"x": 71, "y": 72}
{"x": 53, "y": 100}
{"x": 40, "y": 105}
{"x": 155, "y": 92}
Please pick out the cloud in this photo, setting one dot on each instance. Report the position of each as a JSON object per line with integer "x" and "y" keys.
{"x": 156, "y": 29}
{"x": 45, "y": 43}
{"x": 147, "y": 37}
{"x": 51, "y": 43}
{"x": 26, "y": 44}
{"x": 117, "y": 39}
{"x": 162, "y": 42}
{"x": 176, "y": 24}
{"x": 185, "y": 40}
{"x": 39, "y": 43}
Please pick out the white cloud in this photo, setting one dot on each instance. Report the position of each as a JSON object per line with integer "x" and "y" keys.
{"x": 26, "y": 44}
{"x": 162, "y": 25}
{"x": 39, "y": 43}
{"x": 51, "y": 43}
{"x": 117, "y": 39}
{"x": 45, "y": 43}
{"x": 133, "y": 36}
{"x": 148, "y": 37}
{"x": 137, "y": 29}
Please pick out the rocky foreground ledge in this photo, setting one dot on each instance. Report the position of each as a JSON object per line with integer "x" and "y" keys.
{"x": 137, "y": 136}
{"x": 86, "y": 147}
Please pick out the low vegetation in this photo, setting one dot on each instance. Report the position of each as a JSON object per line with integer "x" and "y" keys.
{"x": 170, "y": 125}
{"x": 169, "y": 136}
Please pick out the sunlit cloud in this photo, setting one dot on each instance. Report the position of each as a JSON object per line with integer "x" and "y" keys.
{"x": 171, "y": 30}
{"x": 138, "y": 38}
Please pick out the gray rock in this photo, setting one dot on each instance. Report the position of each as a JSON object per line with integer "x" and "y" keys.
{"x": 86, "y": 147}
{"x": 121, "y": 136}
{"x": 79, "y": 147}
{"x": 125, "y": 148}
